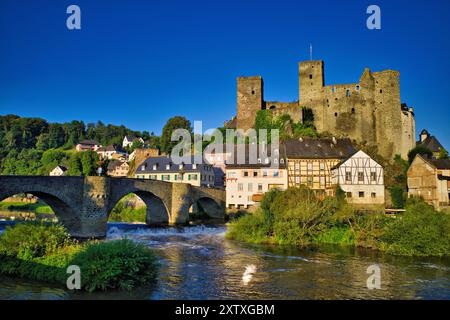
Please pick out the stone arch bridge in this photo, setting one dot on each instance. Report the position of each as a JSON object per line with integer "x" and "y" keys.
{"x": 83, "y": 204}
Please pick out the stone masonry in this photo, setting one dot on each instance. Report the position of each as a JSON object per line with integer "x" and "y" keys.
{"x": 83, "y": 204}
{"x": 368, "y": 111}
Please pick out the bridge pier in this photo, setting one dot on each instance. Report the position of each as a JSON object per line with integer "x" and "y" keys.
{"x": 83, "y": 204}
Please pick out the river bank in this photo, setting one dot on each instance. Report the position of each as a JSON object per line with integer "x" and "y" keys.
{"x": 198, "y": 262}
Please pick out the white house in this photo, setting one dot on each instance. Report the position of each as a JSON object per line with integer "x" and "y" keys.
{"x": 361, "y": 178}
{"x": 58, "y": 171}
{"x": 128, "y": 141}
{"x": 248, "y": 180}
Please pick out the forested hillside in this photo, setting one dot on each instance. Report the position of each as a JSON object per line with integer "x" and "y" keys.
{"x": 31, "y": 146}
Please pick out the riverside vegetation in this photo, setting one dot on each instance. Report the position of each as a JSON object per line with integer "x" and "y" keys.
{"x": 43, "y": 252}
{"x": 296, "y": 217}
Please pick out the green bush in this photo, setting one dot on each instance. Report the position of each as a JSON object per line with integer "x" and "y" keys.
{"x": 120, "y": 264}
{"x": 122, "y": 213}
{"x": 421, "y": 231}
{"x": 43, "y": 252}
{"x": 397, "y": 197}
{"x": 32, "y": 240}
{"x": 297, "y": 217}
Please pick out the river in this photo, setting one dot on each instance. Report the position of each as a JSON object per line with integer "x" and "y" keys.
{"x": 197, "y": 262}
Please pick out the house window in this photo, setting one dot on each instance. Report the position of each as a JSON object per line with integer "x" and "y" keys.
{"x": 322, "y": 166}
{"x": 155, "y": 167}
{"x": 373, "y": 176}
{"x": 297, "y": 179}
{"x": 297, "y": 166}
{"x": 322, "y": 181}
{"x": 348, "y": 194}
{"x": 194, "y": 166}
{"x": 373, "y": 195}
{"x": 282, "y": 161}
{"x": 250, "y": 187}
{"x": 360, "y": 176}
{"x": 361, "y": 194}
{"x": 310, "y": 181}
{"x": 240, "y": 187}
{"x": 255, "y": 173}
{"x": 260, "y": 187}
{"x": 276, "y": 173}
{"x": 310, "y": 166}
{"x": 167, "y": 166}
{"x": 265, "y": 173}
{"x": 348, "y": 176}
{"x": 245, "y": 173}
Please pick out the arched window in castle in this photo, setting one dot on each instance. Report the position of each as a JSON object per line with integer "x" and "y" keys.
{"x": 335, "y": 114}
{"x": 357, "y": 88}
{"x": 253, "y": 91}
{"x": 353, "y": 110}
{"x": 347, "y": 93}
{"x": 310, "y": 76}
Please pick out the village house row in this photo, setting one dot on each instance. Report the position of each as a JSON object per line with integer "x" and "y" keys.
{"x": 320, "y": 164}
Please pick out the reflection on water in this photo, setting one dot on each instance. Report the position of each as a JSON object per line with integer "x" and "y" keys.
{"x": 199, "y": 263}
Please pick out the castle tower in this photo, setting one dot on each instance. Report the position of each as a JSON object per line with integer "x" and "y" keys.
{"x": 388, "y": 113}
{"x": 250, "y": 93}
{"x": 311, "y": 79}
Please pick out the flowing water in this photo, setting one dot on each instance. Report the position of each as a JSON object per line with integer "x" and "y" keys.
{"x": 197, "y": 262}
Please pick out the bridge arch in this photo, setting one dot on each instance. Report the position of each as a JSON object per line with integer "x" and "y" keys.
{"x": 61, "y": 206}
{"x": 156, "y": 211}
{"x": 209, "y": 206}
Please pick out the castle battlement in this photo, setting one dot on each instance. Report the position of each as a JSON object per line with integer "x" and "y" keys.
{"x": 369, "y": 111}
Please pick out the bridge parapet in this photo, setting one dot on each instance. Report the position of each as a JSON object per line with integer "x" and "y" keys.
{"x": 83, "y": 204}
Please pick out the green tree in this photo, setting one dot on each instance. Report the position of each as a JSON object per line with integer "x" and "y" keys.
{"x": 420, "y": 149}
{"x": 52, "y": 158}
{"x": 89, "y": 163}
{"x": 443, "y": 154}
{"x": 75, "y": 167}
{"x": 172, "y": 124}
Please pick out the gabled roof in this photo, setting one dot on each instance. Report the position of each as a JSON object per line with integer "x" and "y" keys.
{"x": 114, "y": 164}
{"x": 432, "y": 143}
{"x": 357, "y": 154}
{"x": 256, "y": 157}
{"x": 324, "y": 148}
{"x": 89, "y": 142}
{"x": 161, "y": 163}
{"x": 440, "y": 164}
{"x": 63, "y": 168}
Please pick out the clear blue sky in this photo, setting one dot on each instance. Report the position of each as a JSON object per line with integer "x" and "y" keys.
{"x": 138, "y": 63}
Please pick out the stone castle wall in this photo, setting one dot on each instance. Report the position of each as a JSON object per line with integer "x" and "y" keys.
{"x": 369, "y": 111}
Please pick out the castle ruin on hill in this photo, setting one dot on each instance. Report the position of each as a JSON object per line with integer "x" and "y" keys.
{"x": 369, "y": 111}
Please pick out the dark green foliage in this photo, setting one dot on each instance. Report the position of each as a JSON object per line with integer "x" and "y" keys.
{"x": 23, "y": 141}
{"x": 284, "y": 123}
{"x": 421, "y": 231}
{"x": 397, "y": 196}
{"x": 420, "y": 149}
{"x": 31, "y": 240}
{"x": 172, "y": 124}
{"x": 124, "y": 213}
{"x": 43, "y": 252}
{"x": 120, "y": 264}
{"x": 297, "y": 217}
